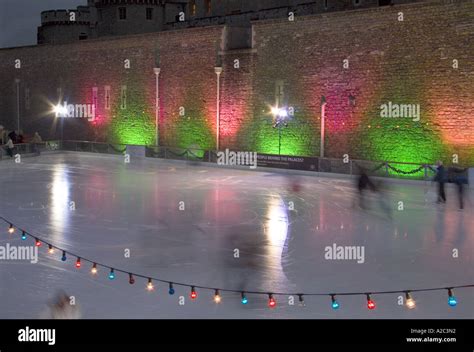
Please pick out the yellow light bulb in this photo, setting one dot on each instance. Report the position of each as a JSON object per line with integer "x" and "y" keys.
{"x": 410, "y": 303}
{"x": 217, "y": 297}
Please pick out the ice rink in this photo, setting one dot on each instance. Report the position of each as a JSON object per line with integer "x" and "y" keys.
{"x": 280, "y": 233}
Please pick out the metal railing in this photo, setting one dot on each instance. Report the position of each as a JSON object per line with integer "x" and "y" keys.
{"x": 30, "y": 148}
{"x": 93, "y": 147}
{"x": 394, "y": 169}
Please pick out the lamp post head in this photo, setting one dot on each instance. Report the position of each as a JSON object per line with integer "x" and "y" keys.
{"x": 157, "y": 70}
{"x": 218, "y": 70}
{"x": 17, "y": 80}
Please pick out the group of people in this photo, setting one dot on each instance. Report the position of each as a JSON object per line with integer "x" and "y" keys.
{"x": 9, "y": 139}
{"x": 455, "y": 175}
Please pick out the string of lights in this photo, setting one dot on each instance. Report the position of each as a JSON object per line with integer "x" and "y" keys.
{"x": 410, "y": 302}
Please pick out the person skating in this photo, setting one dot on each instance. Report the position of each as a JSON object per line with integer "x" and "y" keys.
{"x": 10, "y": 146}
{"x": 35, "y": 142}
{"x": 13, "y": 136}
{"x": 61, "y": 308}
{"x": 440, "y": 178}
{"x": 363, "y": 184}
{"x": 460, "y": 179}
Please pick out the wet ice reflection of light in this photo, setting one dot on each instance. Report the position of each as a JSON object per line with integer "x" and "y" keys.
{"x": 60, "y": 199}
{"x": 276, "y": 229}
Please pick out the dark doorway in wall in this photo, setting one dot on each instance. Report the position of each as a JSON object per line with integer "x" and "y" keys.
{"x": 385, "y": 2}
{"x": 82, "y": 36}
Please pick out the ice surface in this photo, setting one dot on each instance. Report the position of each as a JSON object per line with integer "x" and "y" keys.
{"x": 136, "y": 206}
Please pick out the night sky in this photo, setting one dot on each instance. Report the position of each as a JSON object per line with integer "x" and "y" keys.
{"x": 19, "y": 19}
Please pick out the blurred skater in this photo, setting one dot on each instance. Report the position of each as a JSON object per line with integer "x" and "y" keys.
{"x": 294, "y": 184}
{"x": 363, "y": 184}
{"x": 459, "y": 178}
{"x": 35, "y": 142}
{"x": 61, "y": 308}
{"x": 440, "y": 178}
{"x": 381, "y": 188}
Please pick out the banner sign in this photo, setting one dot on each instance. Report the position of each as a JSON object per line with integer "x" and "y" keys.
{"x": 288, "y": 162}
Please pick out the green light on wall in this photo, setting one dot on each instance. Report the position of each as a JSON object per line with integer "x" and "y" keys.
{"x": 193, "y": 133}
{"x": 401, "y": 141}
{"x": 133, "y": 125}
{"x": 412, "y": 138}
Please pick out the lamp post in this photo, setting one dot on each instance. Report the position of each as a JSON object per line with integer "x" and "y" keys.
{"x": 323, "y": 118}
{"x": 279, "y": 118}
{"x": 157, "y": 71}
{"x": 218, "y": 71}
{"x": 17, "y": 81}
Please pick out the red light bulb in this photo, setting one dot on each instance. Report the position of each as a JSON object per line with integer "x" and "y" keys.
{"x": 271, "y": 301}
{"x": 78, "y": 263}
{"x": 193, "y": 293}
{"x": 38, "y": 243}
{"x": 370, "y": 304}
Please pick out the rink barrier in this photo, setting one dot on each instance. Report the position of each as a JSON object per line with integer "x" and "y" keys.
{"x": 393, "y": 169}
{"x": 30, "y": 149}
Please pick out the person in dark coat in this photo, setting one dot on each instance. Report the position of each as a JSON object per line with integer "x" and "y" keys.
{"x": 364, "y": 183}
{"x": 13, "y": 136}
{"x": 440, "y": 178}
{"x": 459, "y": 178}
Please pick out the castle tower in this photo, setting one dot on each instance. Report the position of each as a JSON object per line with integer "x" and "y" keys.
{"x": 129, "y": 16}
{"x": 65, "y": 26}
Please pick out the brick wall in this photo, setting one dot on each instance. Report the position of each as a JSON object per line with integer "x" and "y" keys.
{"x": 407, "y": 61}
{"x": 187, "y": 61}
{"x": 403, "y": 62}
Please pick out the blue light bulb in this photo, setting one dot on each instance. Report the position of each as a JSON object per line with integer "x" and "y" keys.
{"x": 335, "y": 303}
{"x": 23, "y": 236}
{"x": 244, "y": 299}
{"x": 63, "y": 258}
{"x": 112, "y": 274}
{"x": 452, "y": 301}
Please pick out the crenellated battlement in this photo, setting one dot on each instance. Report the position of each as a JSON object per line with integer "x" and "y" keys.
{"x": 127, "y": 17}
{"x": 81, "y": 15}
{"x": 130, "y": 2}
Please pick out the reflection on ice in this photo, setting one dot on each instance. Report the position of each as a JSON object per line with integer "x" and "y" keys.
{"x": 59, "y": 196}
{"x": 276, "y": 228}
